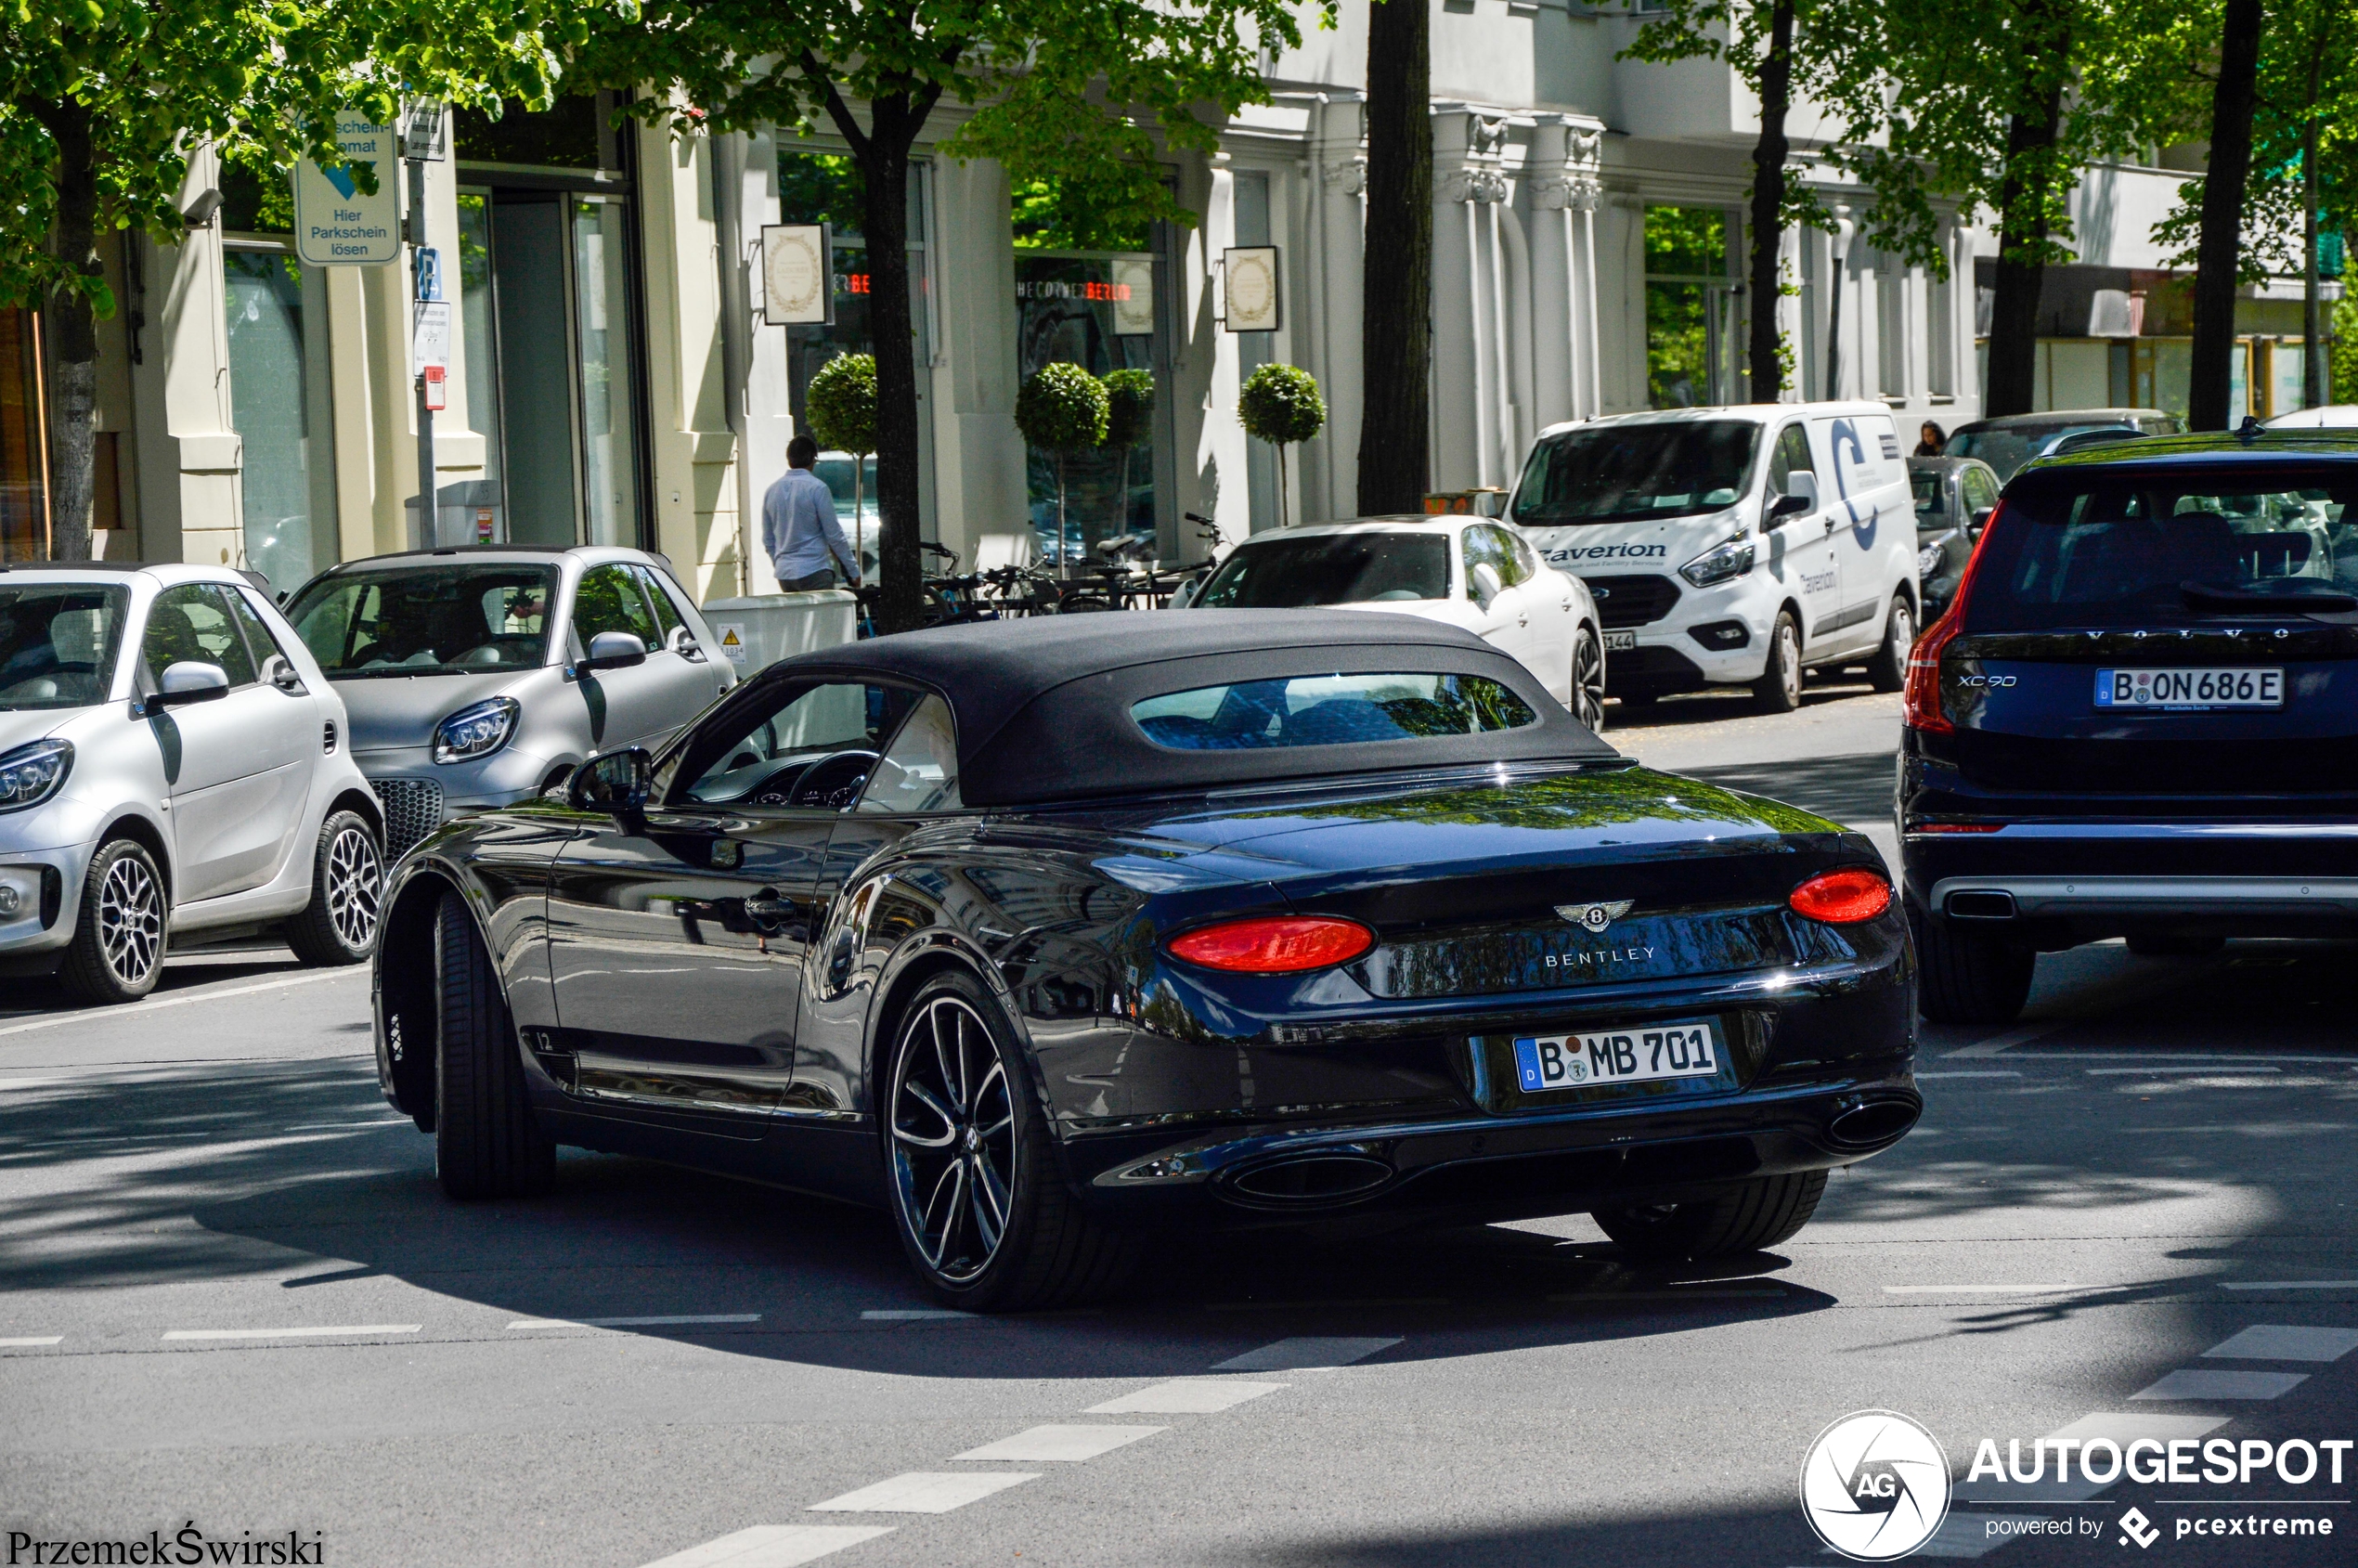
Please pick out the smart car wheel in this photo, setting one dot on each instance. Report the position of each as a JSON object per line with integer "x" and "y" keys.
{"x": 980, "y": 1205}
{"x": 1589, "y": 680}
{"x": 120, "y": 933}
{"x": 1888, "y": 669}
{"x": 339, "y": 926}
{"x": 1745, "y": 1218}
{"x": 1779, "y": 688}
{"x": 488, "y": 1142}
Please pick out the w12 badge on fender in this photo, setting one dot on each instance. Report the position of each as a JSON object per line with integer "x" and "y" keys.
{"x": 1688, "y": 1049}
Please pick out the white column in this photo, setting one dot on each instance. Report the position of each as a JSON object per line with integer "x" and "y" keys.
{"x": 1555, "y": 290}
{"x": 1461, "y": 423}
{"x": 1338, "y": 231}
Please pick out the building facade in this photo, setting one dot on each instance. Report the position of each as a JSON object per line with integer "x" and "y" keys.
{"x": 613, "y": 380}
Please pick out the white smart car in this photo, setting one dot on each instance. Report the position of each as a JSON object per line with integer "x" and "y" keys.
{"x": 1468, "y": 571}
{"x": 173, "y": 767}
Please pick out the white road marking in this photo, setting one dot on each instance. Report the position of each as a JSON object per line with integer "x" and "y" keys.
{"x": 1185, "y": 1396}
{"x": 924, "y": 1492}
{"x": 33, "y": 1083}
{"x": 2149, "y": 1072}
{"x": 668, "y": 1321}
{"x": 291, "y": 1333}
{"x": 1928, "y": 1077}
{"x": 1999, "y": 1044}
{"x": 774, "y": 1546}
{"x": 1060, "y": 1444}
{"x": 2125, "y": 1427}
{"x": 24, "y": 1339}
{"x": 2276, "y": 1342}
{"x": 914, "y": 1314}
{"x": 2290, "y": 1285}
{"x": 2196, "y": 1382}
{"x": 108, "y": 1014}
{"x": 1305, "y": 1354}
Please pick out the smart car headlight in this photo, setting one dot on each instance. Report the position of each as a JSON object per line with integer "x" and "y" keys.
{"x": 1928, "y": 557}
{"x": 30, "y": 774}
{"x": 476, "y": 732}
{"x": 1729, "y": 558}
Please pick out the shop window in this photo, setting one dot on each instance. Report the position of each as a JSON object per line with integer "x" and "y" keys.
{"x": 271, "y": 308}
{"x": 1690, "y": 308}
{"x": 24, "y": 440}
{"x": 580, "y": 131}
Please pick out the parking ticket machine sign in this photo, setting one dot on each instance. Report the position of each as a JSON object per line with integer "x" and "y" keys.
{"x": 337, "y": 223}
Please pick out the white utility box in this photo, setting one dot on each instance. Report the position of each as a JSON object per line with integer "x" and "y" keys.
{"x": 759, "y": 631}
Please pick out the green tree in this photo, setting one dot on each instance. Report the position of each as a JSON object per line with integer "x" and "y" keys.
{"x": 1062, "y": 408}
{"x": 1085, "y": 94}
{"x": 103, "y": 101}
{"x": 1396, "y": 322}
{"x": 1129, "y": 411}
{"x": 841, "y": 407}
{"x": 1279, "y": 403}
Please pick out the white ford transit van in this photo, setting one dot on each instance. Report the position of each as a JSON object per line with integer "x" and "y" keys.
{"x": 1735, "y": 546}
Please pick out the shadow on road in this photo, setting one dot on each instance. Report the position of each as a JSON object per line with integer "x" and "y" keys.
{"x": 1848, "y": 789}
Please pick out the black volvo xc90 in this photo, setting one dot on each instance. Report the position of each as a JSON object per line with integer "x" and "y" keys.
{"x": 2140, "y": 716}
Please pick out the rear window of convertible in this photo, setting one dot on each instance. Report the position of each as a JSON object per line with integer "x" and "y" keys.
{"x": 1329, "y": 711}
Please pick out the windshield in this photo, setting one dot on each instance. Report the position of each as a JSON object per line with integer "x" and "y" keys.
{"x": 1331, "y": 569}
{"x": 427, "y": 620}
{"x": 2007, "y": 448}
{"x": 1329, "y": 711}
{"x": 58, "y": 643}
{"x": 2094, "y": 551}
{"x": 1633, "y": 473}
{"x": 835, "y": 471}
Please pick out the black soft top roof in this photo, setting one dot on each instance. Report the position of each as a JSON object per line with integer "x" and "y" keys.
{"x": 1042, "y": 704}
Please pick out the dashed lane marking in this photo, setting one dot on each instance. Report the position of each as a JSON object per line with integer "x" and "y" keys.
{"x": 348, "y": 1126}
{"x": 1992, "y": 1290}
{"x": 2196, "y": 1382}
{"x": 1307, "y": 1355}
{"x": 1183, "y": 1397}
{"x": 924, "y": 1491}
{"x": 672, "y": 1320}
{"x": 1056, "y": 1443}
{"x": 313, "y": 1333}
{"x": 2150, "y": 1071}
{"x": 774, "y": 1546}
{"x": 2277, "y": 1341}
{"x": 23, "y": 1340}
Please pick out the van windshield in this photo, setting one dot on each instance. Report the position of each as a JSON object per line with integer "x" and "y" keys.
{"x": 1635, "y": 472}
{"x": 2098, "y": 550}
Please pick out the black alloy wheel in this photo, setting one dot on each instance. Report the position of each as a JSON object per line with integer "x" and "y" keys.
{"x": 339, "y": 926}
{"x": 1588, "y": 678}
{"x": 1745, "y": 1218}
{"x": 978, "y": 1200}
{"x": 122, "y": 929}
{"x": 1779, "y": 688}
{"x": 1888, "y": 669}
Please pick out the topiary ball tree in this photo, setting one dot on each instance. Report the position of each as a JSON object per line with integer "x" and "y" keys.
{"x": 1130, "y": 396}
{"x": 1279, "y": 403}
{"x": 1062, "y": 408}
{"x": 840, "y": 407}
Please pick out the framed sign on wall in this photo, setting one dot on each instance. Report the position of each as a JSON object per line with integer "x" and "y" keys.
{"x": 797, "y": 270}
{"x": 1253, "y": 301}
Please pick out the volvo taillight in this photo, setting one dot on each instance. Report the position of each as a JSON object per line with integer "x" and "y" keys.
{"x": 1920, "y": 707}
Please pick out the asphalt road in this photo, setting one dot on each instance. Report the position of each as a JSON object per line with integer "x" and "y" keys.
{"x": 231, "y": 1296}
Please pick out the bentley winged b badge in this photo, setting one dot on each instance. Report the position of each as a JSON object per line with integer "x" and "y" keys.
{"x": 1595, "y": 917}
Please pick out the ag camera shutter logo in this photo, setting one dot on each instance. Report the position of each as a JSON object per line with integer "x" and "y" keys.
{"x": 1874, "y": 1486}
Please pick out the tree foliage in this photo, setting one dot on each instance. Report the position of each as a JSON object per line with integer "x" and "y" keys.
{"x": 841, "y": 404}
{"x": 1130, "y": 406}
{"x": 1279, "y": 403}
{"x": 1062, "y": 407}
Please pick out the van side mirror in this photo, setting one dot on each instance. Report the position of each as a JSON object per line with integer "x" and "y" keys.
{"x": 189, "y": 680}
{"x": 614, "y": 650}
{"x": 617, "y": 784}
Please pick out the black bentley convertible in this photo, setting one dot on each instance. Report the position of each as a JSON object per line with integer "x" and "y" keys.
{"x": 1043, "y": 934}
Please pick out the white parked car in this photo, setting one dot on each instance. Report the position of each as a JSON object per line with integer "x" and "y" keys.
{"x": 1468, "y": 571}
{"x": 1736, "y": 546}
{"x": 173, "y": 767}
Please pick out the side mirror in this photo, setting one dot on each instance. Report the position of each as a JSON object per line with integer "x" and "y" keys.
{"x": 190, "y": 680}
{"x": 614, "y": 650}
{"x": 1981, "y": 521}
{"x": 1486, "y": 586}
{"x": 617, "y": 784}
{"x": 1801, "y": 495}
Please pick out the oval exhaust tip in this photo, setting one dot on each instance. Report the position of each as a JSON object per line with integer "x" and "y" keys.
{"x": 1317, "y": 1178}
{"x": 1877, "y": 1121}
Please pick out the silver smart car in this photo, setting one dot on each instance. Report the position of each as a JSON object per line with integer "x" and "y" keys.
{"x": 174, "y": 768}
{"x": 477, "y": 677}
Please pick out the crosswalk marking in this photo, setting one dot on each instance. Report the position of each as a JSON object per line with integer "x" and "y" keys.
{"x": 2277, "y": 1341}
{"x": 2195, "y": 1382}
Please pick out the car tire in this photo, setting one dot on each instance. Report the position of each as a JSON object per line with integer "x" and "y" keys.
{"x": 122, "y": 929}
{"x": 1968, "y": 977}
{"x": 488, "y": 1142}
{"x": 966, "y": 1153}
{"x": 1887, "y": 671}
{"x": 1745, "y": 1218}
{"x": 340, "y": 924}
{"x": 1588, "y": 678}
{"x": 1779, "y": 688}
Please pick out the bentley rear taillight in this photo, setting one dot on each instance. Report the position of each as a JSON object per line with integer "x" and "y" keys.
{"x": 1842, "y": 898}
{"x": 1274, "y": 945}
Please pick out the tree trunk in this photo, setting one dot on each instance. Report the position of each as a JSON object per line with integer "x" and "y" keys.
{"x": 2219, "y": 255}
{"x": 884, "y": 167}
{"x": 1396, "y": 319}
{"x": 2023, "y": 196}
{"x": 1766, "y": 287}
{"x": 74, "y": 339}
{"x": 2312, "y": 314}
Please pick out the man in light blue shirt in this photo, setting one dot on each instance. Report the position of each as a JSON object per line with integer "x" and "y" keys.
{"x": 800, "y": 529}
